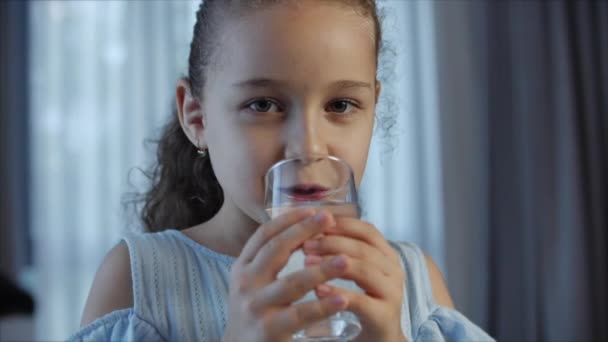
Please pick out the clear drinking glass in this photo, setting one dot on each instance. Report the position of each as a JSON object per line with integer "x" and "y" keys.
{"x": 323, "y": 182}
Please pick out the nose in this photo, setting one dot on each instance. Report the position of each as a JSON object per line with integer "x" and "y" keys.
{"x": 304, "y": 136}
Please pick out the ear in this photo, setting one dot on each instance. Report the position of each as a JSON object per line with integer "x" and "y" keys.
{"x": 190, "y": 114}
{"x": 378, "y": 87}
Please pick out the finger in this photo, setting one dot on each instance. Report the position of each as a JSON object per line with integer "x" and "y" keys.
{"x": 273, "y": 255}
{"x": 271, "y": 228}
{"x": 301, "y": 315}
{"x": 292, "y": 287}
{"x": 357, "y": 249}
{"x": 311, "y": 259}
{"x": 369, "y": 310}
{"x": 363, "y": 231}
{"x": 323, "y": 290}
{"x": 370, "y": 280}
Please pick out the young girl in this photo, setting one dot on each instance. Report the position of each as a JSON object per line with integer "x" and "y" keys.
{"x": 267, "y": 80}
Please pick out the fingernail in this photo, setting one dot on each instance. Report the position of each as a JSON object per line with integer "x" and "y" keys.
{"x": 320, "y": 216}
{"x": 323, "y": 289}
{"x": 337, "y": 300}
{"x": 311, "y": 244}
{"x": 312, "y": 260}
{"x": 308, "y": 212}
{"x": 331, "y": 222}
{"x": 338, "y": 262}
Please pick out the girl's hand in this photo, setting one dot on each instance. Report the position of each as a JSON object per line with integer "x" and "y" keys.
{"x": 371, "y": 263}
{"x": 259, "y": 304}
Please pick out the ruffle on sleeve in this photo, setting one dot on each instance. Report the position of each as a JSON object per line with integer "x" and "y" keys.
{"x": 445, "y": 324}
{"x": 120, "y": 325}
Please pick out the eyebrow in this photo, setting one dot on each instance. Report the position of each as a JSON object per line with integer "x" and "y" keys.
{"x": 268, "y": 83}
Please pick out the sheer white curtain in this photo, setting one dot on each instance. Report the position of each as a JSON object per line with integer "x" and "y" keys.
{"x": 402, "y": 187}
{"x": 102, "y": 80}
{"x": 103, "y": 73}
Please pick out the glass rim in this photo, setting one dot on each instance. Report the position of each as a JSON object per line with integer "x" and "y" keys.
{"x": 314, "y": 157}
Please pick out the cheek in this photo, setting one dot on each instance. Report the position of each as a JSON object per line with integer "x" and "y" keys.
{"x": 241, "y": 157}
{"x": 354, "y": 151}
{"x": 357, "y": 160}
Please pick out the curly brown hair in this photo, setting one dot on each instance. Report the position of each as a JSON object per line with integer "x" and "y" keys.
{"x": 184, "y": 190}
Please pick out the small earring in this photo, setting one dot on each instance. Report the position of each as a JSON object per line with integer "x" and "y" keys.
{"x": 203, "y": 153}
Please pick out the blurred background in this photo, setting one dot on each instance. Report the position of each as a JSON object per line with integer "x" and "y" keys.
{"x": 493, "y": 155}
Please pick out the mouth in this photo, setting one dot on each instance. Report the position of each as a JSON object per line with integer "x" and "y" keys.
{"x": 306, "y": 192}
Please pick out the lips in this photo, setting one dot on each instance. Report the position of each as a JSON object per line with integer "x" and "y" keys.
{"x": 306, "y": 192}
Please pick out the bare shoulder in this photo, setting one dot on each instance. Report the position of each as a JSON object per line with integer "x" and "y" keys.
{"x": 111, "y": 288}
{"x": 440, "y": 289}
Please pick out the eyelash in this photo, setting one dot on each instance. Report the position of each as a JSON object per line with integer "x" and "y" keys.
{"x": 343, "y": 114}
{"x": 250, "y": 103}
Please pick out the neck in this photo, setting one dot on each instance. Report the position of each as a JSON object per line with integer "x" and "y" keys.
{"x": 227, "y": 232}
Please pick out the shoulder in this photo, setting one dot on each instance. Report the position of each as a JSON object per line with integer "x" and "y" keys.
{"x": 440, "y": 289}
{"x": 419, "y": 265}
{"x": 112, "y": 286}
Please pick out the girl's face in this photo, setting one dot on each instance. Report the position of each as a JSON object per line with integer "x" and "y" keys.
{"x": 285, "y": 81}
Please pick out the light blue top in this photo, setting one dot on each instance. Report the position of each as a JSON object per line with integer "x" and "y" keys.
{"x": 180, "y": 293}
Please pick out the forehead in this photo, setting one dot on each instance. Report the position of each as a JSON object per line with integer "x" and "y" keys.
{"x": 309, "y": 42}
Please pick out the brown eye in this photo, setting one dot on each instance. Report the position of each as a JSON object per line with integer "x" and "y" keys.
{"x": 263, "y": 106}
{"x": 340, "y": 106}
